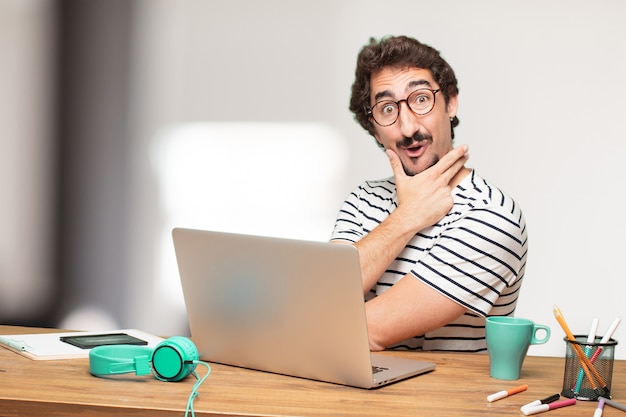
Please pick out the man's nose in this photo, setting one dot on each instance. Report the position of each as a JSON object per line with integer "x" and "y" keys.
{"x": 409, "y": 122}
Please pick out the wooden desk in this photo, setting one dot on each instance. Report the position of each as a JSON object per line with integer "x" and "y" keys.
{"x": 459, "y": 386}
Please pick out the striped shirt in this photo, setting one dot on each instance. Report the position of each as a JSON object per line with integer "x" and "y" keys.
{"x": 475, "y": 255}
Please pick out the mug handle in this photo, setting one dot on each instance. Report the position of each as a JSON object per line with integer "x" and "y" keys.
{"x": 536, "y": 328}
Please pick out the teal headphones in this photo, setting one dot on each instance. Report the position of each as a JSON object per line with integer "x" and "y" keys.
{"x": 171, "y": 360}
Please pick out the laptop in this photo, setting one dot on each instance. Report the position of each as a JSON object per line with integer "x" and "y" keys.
{"x": 285, "y": 306}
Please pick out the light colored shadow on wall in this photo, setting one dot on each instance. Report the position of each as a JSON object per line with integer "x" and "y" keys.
{"x": 273, "y": 179}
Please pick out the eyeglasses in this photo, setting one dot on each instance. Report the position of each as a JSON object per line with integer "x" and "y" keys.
{"x": 386, "y": 112}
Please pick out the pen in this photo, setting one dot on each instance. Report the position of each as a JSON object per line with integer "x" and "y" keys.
{"x": 15, "y": 344}
{"x": 613, "y": 404}
{"x": 503, "y": 394}
{"x": 587, "y": 366}
{"x": 545, "y": 407}
{"x": 598, "y": 412}
{"x": 606, "y": 338}
{"x": 591, "y": 337}
{"x": 546, "y": 400}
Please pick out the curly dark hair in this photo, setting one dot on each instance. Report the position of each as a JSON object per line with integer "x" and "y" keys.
{"x": 397, "y": 52}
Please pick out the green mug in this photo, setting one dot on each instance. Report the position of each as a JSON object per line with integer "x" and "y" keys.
{"x": 508, "y": 339}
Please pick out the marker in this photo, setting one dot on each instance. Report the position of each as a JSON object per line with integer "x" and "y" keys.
{"x": 546, "y": 407}
{"x": 606, "y": 338}
{"x": 598, "y": 412}
{"x": 591, "y": 337}
{"x": 15, "y": 344}
{"x": 614, "y": 404}
{"x": 503, "y": 394}
{"x": 546, "y": 400}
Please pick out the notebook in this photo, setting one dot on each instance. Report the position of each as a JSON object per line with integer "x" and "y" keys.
{"x": 285, "y": 306}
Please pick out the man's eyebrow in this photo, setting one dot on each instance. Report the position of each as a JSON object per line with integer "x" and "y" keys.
{"x": 417, "y": 83}
{"x": 381, "y": 95}
{"x": 387, "y": 94}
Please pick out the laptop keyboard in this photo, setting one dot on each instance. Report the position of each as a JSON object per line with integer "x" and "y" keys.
{"x": 377, "y": 369}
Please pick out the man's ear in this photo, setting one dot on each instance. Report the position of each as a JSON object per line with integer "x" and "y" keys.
{"x": 451, "y": 107}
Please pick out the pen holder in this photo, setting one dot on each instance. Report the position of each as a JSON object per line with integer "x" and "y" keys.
{"x": 591, "y": 378}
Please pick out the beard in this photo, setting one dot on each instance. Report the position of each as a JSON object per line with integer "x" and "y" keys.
{"x": 406, "y": 142}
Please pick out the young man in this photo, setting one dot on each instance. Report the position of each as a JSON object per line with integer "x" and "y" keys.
{"x": 440, "y": 247}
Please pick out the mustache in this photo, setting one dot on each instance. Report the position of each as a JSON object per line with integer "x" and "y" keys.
{"x": 408, "y": 141}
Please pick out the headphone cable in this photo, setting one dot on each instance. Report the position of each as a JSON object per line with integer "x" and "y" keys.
{"x": 194, "y": 391}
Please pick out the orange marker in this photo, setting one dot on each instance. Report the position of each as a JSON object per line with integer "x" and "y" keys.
{"x": 506, "y": 393}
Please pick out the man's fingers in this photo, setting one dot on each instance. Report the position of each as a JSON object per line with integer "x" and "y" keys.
{"x": 449, "y": 159}
{"x": 447, "y": 167}
{"x": 452, "y": 162}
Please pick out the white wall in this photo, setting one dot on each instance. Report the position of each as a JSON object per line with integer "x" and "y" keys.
{"x": 541, "y": 102}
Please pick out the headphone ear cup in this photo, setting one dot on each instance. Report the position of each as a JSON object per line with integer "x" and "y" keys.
{"x": 174, "y": 359}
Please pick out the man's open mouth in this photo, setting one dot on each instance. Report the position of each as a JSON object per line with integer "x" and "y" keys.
{"x": 416, "y": 149}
